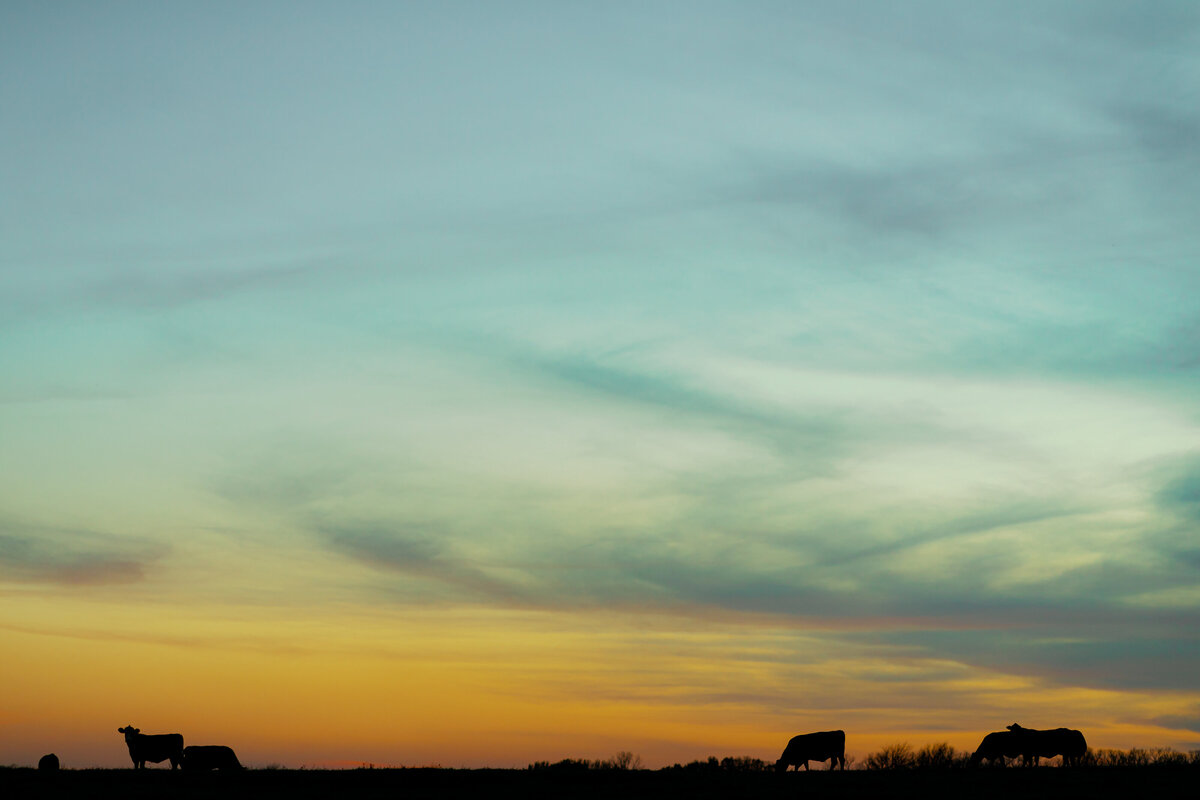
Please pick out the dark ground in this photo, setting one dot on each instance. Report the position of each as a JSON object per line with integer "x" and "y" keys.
{"x": 451, "y": 784}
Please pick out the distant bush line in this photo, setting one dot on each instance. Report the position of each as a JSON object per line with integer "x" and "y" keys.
{"x": 899, "y": 756}
{"x": 943, "y": 756}
{"x": 621, "y": 761}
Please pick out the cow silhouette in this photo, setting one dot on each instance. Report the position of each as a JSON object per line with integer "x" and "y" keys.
{"x": 199, "y": 757}
{"x": 1036, "y": 744}
{"x": 152, "y": 747}
{"x": 995, "y": 747}
{"x": 48, "y": 763}
{"x": 820, "y": 746}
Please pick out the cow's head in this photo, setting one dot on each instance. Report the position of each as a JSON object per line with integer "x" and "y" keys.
{"x": 129, "y": 731}
{"x": 1015, "y": 727}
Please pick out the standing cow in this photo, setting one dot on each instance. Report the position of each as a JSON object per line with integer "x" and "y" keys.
{"x": 199, "y": 757}
{"x": 152, "y": 747}
{"x": 821, "y": 746}
{"x": 1035, "y": 744}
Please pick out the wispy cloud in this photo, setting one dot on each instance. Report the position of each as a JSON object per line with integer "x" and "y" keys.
{"x": 1181, "y": 492}
{"x": 163, "y": 283}
{"x": 812, "y": 436}
{"x": 1130, "y": 653}
{"x": 421, "y": 555}
{"x": 173, "y": 288}
{"x": 1001, "y": 515}
{"x": 1181, "y": 721}
{"x": 38, "y": 554}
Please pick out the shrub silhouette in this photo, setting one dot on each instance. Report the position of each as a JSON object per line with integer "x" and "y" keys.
{"x": 623, "y": 760}
{"x": 939, "y": 756}
{"x": 892, "y": 756}
{"x": 726, "y": 764}
{"x": 1166, "y": 757}
{"x": 1138, "y": 757}
{"x": 898, "y": 756}
{"x": 566, "y": 765}
{"x": 1118, "y": 758}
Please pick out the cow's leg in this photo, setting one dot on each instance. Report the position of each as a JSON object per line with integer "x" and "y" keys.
{"x": 805, "y": 765}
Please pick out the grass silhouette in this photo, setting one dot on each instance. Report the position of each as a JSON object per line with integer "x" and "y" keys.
{"x": 930, "y": 772}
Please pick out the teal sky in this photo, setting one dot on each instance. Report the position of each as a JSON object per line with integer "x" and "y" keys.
{"x": 829, "y": 314}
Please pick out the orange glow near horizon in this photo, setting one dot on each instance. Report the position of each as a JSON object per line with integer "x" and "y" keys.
{"x": 478, "y": 688}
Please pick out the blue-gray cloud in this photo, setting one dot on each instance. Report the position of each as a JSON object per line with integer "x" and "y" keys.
{"x": 1074, "y": 631}
{"x": 816, "y": 435}
{"x": 38, "y": 554}
{"x": 1015, "y": 513}
{"x": 426, "y": 555}
{"x": 764, "y": 574}
{"x": 180, "y": 287}
{"x": 1181, "y": 492}
{"x": 162, "y": 287}
{"x": 1125, "y": 653}
{"x": 1189, "y": 722}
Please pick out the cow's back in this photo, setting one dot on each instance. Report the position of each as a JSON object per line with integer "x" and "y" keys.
{"x": 817, "y": 746}
{"x": 210, "y": 756}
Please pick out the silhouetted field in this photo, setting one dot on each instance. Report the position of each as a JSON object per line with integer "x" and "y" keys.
{"x": 450, "y": 784}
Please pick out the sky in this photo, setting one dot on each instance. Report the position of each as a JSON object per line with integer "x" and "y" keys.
{"x": 477, "y": 384}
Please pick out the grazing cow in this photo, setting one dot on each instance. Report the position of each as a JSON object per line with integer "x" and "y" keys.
{"x": 198, "y": 757}
{"x": 807, "y": 747}
{"x": 48, "y": 763}
{"x": 1036, "y": 744}
{"x": 152, "y": 747}
{"x": 995, "y": 747}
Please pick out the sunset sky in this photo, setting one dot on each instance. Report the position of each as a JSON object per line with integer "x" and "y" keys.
{"x": 484, "y": 383}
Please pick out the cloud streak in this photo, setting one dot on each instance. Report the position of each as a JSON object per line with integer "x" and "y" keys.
{"x": 37, "y": 554}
